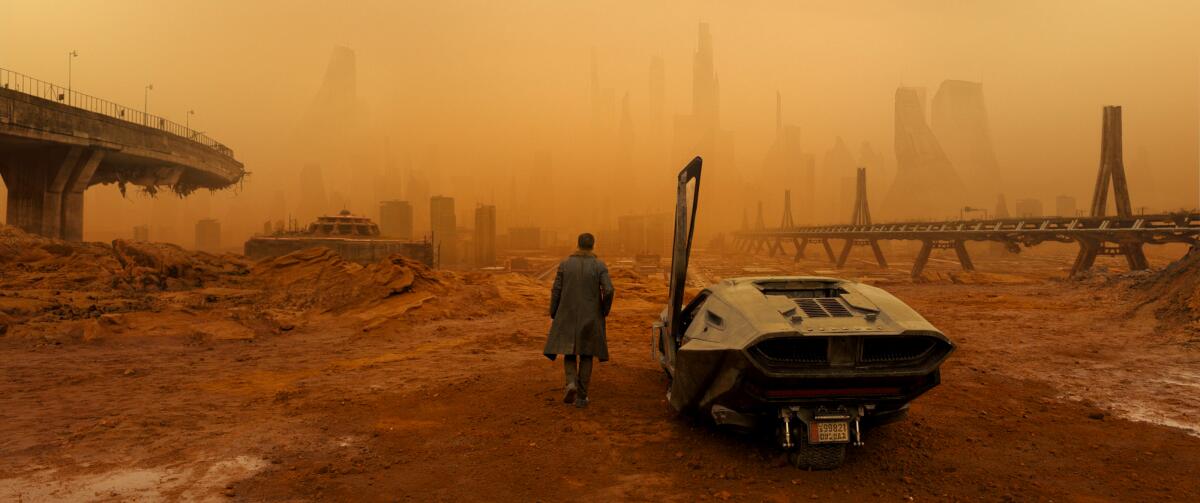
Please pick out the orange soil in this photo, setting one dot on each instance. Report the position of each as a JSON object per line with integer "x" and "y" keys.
{"x": 237, "y": 388}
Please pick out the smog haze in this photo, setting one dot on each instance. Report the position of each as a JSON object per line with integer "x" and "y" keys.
{"x": 568, "y": 115}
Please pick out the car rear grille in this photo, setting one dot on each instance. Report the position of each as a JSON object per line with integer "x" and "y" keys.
{"x": 792, "y": 352}
{"x": 895, "y": 349}
{"x": 823, "y": 307}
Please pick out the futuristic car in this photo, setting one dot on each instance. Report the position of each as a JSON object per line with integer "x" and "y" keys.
{"x": 818, "y": 360}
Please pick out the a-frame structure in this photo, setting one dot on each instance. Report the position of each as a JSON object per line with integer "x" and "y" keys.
{"x": 861, "y": 217}
{"x": 759, "y": 225}
{"x": 787, "y": 223}
{"x": 1112, "y": 171}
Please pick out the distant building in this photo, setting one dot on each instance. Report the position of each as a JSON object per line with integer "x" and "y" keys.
{"x": 354, "y": 237}
{"x": 525, "y": 238}
{"x": 208, "y": 235}
{"x": 444, "y": 227}
{"x": 1028, "y": 208}
{"x": 1064, "y": 206}
{"x": 396, "y": 219}
{"x": 485, "y": 236}
{"x": 644, "y": 234}
{"x": 631, "y": 234}
{"x": 313, "y": 200}
{"x": 141, "y": 233}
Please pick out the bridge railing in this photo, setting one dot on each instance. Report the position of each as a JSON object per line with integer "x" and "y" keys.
{"x": 39, "y": 88}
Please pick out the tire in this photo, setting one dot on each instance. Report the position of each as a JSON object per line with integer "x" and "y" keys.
{"x": 880, "y": 418}
{"x": 808, "y": 456}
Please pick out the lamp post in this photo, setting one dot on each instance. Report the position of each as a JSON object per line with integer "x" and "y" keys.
{"x": 146, "y": 105}
{"x": 968, "y": 209}
{"x": 187, "y": 121}
{"x": 70, "y": 59}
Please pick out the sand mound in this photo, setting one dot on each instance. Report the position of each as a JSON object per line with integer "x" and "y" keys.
{"x": 169, "y": 267}
{"x": 48, "y": 280}
{"x": 519, "y": 289}
{"x": 319, "y": 279}
{"x": 29, "y": 261}
{"x": 1176, "y": 291}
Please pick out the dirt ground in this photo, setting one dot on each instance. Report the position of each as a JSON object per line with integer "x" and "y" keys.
{"x": 236, "y": 384}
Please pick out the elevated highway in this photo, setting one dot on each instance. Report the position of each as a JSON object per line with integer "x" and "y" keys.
{"x": 55, "y": 143}
{"x": 1097, "y": 234}
{"x": 1107, "y": 235}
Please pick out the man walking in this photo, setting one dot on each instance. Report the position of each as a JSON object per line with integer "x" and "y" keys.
{"x": 579, "y": 302}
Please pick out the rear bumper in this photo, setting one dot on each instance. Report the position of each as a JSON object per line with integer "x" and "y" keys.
{"x": 708, "y": 376}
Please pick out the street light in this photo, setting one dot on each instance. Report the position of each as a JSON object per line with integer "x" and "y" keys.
{"x": 70, "y": 59}
{"x": 968, "y": 209}
{"x": 146, "y": 105}
{"x": 187, "y": 121}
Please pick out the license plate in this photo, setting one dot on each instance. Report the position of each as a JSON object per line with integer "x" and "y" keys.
{"x": 831, "y": 432}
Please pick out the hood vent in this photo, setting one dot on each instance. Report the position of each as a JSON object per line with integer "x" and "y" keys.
{"x": 823, "y": 307}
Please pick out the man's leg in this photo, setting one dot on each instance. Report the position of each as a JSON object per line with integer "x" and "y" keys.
{"x": 585, "y": 377}
{"x": 572, "y": 378}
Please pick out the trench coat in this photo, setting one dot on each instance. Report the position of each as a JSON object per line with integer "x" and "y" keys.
{"x": 579, "y": 301}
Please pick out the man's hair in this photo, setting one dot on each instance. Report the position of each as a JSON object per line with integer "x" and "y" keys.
{"x": 587, "y": 241}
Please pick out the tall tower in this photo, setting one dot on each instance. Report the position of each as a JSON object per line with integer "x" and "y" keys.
{"x": 926, "y": 184}
{"x": 959, "y": 118}
{"x": 625, "y": 147}
{"x": 603, "y": 102}
{"x": 657, "y": 95}
{"x": 705, "y": 85}
{"x": 485, "y": 236}
{"x": 444, "y": 225}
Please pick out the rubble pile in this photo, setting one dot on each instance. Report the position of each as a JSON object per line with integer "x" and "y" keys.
{"x": 1175, "y": 291}
{"x": 32, "y": 262}
{"x": 319, "y": 279}
{"x": 165, "y": 266}
{"x": 29, "y": 261}
{"x": 630, "y": 284}
{"x": 46, "y": 281}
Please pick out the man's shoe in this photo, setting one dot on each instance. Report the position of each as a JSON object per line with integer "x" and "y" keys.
{"x": 581, "y": 402}
{"x": 570, "y": 396}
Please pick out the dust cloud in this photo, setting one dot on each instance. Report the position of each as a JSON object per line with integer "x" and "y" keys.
{"x": 570, "y": 115}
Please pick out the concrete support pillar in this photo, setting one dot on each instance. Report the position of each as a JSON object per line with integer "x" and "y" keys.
{"x": 777, "y": 247}
{"x": 964, "y": 259}
{"x": 60, "y": 169}
{"x": 72, "y": 197}
{"x": 26, "y": 187}
{"x": 801, "y": 244}
{"x": 45, "y": 190}
{"x": 922, "y": 259}
{"x": 874, "y": 244}
{"x": 828, "y": 250}
{"x": 879, "y": 258}
{"x": 927, "y": 247}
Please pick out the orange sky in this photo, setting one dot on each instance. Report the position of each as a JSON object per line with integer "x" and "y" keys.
{"x": 486, "y": 84}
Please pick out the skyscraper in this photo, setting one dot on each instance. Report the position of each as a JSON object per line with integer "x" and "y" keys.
{"x": 485, "y": 236}
{"x": 926, "y": 185}
{"x": 313, "y": 199}
{"x": 959, "y": 119}
{"x": 657, "y": 96}
{"x": 208, "y": 235}
{"x": 783, "y": 166}
{"x": 444, "y": 226}
{"x": 700, "y": 134}
{"x": 396, "y": 219}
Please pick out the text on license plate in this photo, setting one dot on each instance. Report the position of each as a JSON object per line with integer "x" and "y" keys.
{"x": 831, "y": 432}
